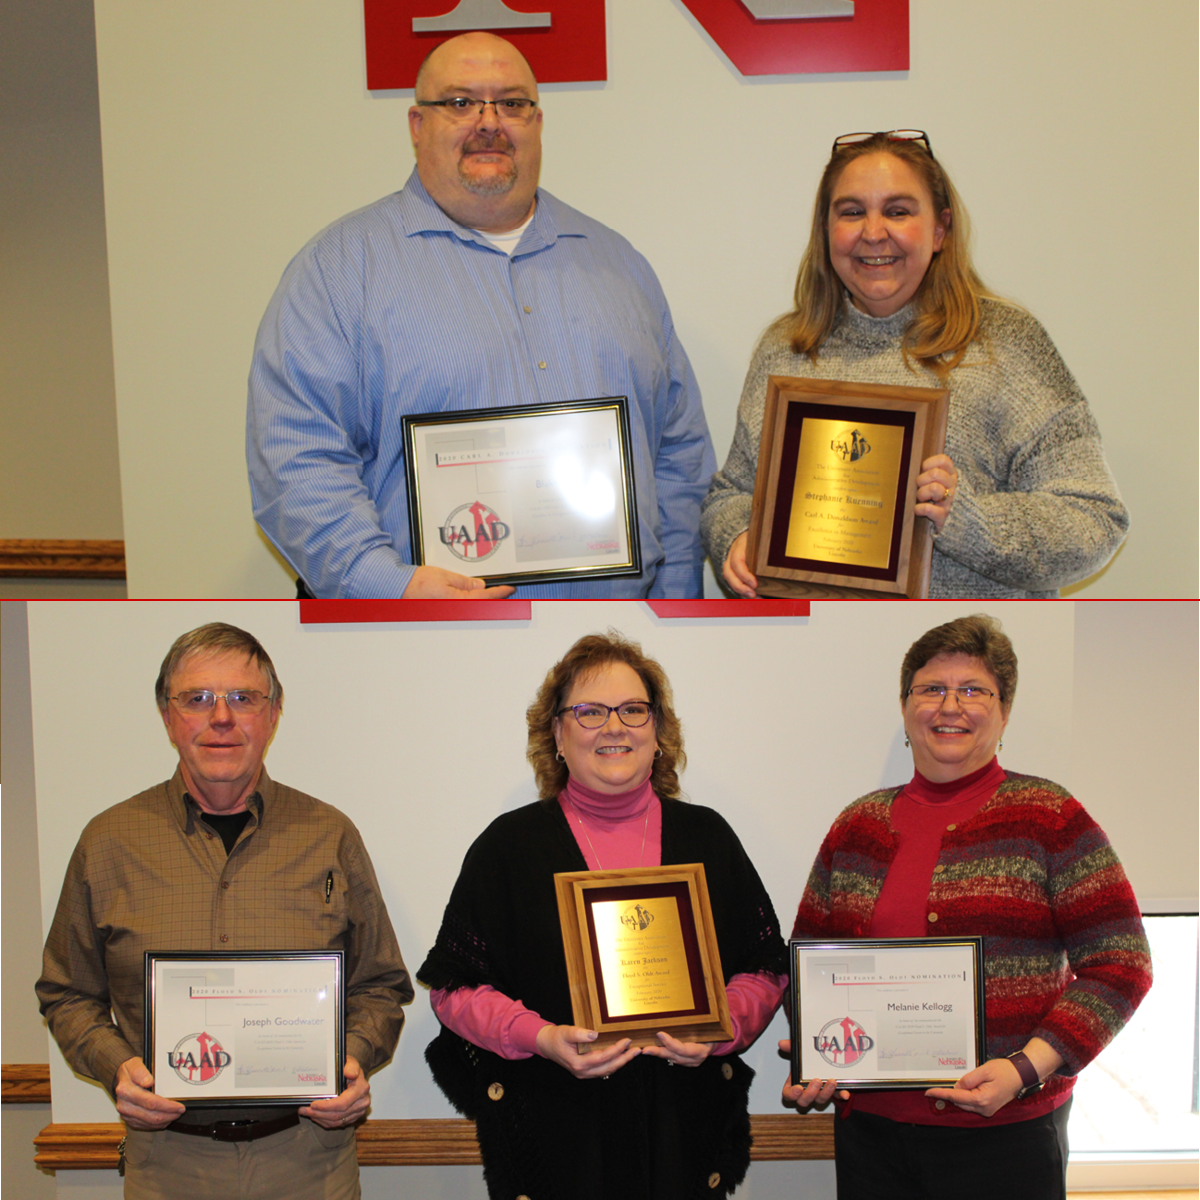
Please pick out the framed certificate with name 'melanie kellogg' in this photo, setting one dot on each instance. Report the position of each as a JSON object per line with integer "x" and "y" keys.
{"x": 887, "y": 1012}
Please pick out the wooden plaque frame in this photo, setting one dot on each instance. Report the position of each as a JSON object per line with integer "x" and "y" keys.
{"x": 920, "y": 412}
{"x": 683, "y": 884}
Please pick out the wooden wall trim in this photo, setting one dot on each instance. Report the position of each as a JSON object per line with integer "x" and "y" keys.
{"x": 427, "y": 1143}
{"x": 25, "y": 1083}
{"x": 61, "y": 559}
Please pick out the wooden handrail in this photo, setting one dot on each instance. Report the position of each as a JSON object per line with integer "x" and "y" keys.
{"x": 427, "y": 1143}
{"x": 60, "y": 558}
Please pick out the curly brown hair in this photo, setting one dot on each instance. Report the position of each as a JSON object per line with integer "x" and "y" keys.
{"x": 589, "y": 655}
{"x": 979, "y": 636}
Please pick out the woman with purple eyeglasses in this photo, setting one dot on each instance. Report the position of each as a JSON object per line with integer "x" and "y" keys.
{"x": 666, "y": 1120}
{"x": 1022, "y": 501}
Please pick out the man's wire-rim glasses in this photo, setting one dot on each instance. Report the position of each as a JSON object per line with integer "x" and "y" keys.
{"x": 634, "y": 713}
{"x": 201, "y": 700}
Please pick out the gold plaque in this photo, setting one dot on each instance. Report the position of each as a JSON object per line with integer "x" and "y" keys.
{"x": 642, "y": 954}
{"x": 836, "y": 485}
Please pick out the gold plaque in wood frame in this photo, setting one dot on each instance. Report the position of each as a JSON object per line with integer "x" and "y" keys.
{"x": 642, "y": 955}
{"x": 836, "y": 485}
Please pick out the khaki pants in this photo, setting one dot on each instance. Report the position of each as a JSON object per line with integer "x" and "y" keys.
{"x": 305, "y": 1162}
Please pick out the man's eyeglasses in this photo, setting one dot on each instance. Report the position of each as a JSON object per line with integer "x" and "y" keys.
{"x": 969, "y": 696}
{"x": 892, "y": 135}
{"x": 634, "y": 713}
{"x": 202, "y": 701}
{"x": 463, "y": 108}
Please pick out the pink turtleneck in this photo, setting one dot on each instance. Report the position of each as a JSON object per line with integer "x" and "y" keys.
{"x": 612, "y": 832}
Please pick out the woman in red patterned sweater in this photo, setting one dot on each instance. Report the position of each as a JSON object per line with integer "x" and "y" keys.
{"x": 968, "y": 848}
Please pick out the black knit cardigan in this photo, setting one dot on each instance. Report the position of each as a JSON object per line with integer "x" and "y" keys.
{"x": 650, "y": 1131}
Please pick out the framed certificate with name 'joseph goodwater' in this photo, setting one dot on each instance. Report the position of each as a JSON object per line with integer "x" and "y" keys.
{"x": 254, "y": 1028}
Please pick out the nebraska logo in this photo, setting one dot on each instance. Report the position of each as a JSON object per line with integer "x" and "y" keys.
{"x": 198, "y": 1058}
{"x": 842, "y": 1042}
{"x": 564, "y": 40}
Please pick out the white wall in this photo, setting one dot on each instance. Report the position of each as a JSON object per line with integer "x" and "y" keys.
{"x": 236, "y": 129}
{"x": 417, "y": 732}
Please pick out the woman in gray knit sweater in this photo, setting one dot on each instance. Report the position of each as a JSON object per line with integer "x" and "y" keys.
{"x": 1022, "y": 502}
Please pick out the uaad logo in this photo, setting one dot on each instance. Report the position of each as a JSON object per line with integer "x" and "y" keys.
{"x": 199, "y": 1058}
{"x": 473, "y": 532}
{"x": 850, "y": 445}
{"x": 636, "y": 917}
{"x": 843, "y": 1042}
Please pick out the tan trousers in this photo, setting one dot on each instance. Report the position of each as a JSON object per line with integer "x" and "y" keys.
{"x": 305, "y": 1162}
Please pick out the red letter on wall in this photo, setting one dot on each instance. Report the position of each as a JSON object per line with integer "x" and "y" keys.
{"x": 874, "y": 38}
{"x": 562, "y": 39}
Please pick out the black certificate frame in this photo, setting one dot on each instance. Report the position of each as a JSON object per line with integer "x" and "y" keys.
{"x": 420, "y": 509}
{"x": 159, "y": 1056}
{"x": 962, "y": 954}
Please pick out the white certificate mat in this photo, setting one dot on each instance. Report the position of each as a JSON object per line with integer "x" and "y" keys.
{"x": 887, "y": 1013}
{"x": 524, "y": 494}
{"x": 245, "y": 1028}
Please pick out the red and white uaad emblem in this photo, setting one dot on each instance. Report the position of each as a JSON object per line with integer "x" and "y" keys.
{"x": 473, "y": 532}
{"x": 199, "y": 1058}
{"x": 564, "y": 40}
{"x": 843, "y": 1042}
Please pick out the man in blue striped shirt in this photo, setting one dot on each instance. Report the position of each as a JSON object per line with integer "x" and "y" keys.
{"x": 470, "y": 288}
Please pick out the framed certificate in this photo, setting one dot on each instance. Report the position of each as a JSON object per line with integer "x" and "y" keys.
{"x": 835, "y": 489}
{"x": 254, "y": 1028}
{"x": 887, "y": 1013}
{"x": 642, "y": 954}
{"x": 524, "y": 495}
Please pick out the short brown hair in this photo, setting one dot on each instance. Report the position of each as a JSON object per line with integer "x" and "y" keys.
{"x": 587, "y": 656}
{"x": 979, "y": 636}
{"x": 215, "y": 638}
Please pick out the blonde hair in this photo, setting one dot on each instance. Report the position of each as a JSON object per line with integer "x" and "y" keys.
{"x": 586, "y": 657}
{"x": 947, "y": 318}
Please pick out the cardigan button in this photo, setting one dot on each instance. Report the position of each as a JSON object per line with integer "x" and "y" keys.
{"x": 714, "y": 1180}
{"x": 726, "y": 1071}
{"x": 496, "y": 1091}
{"x": 938, "y": 869}
{"x": 932, "y": 918}
{"x": 951, "y": 828}
{"x": 939, "y": 1105}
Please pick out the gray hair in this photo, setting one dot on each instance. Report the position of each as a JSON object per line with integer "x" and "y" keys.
{"x": 213, "y": 639}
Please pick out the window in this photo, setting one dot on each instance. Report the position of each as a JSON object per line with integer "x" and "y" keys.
{"x": 1135, "y": 1108}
